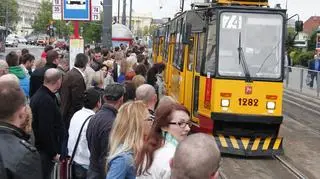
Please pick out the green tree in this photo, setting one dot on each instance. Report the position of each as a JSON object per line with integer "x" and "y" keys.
{"x": 92, "y": 31}
{"x": 43, "y": 17}
{"x": 13, "y": 16}
{"x": 291, "y": 34}
{"x": 145, "y": 31}
{"x": 302, "y": 58}
{"x": 312, "y": 41}
{"x": 63, "y": 28}
{"x": 152, "y": 29}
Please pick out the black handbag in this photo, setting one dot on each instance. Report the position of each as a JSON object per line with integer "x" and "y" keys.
{"x": 71, "y": 162}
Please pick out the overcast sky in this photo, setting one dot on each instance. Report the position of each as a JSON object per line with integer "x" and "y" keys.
{"x": 304, "y": 8}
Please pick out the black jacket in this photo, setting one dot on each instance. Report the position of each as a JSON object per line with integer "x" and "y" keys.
{"x": 37, "y": 77}
{"x": 115, "y": 72}
{"x": 98, "y": 131}
{"x": 20, "y": 159}
{"x": 47, "y": 122}
{"x": 96, "y": 66}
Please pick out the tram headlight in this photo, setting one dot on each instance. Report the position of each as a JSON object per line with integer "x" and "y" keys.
{"x": 271, "y": 105}
{"x": 225, "y": 102}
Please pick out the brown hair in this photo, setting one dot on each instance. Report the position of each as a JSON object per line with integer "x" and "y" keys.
{"x": 11, "y": 92}
{"x": 51, "y": 56}
{"x": 12, "y": 59}
{"x": 140, "y": 70}
{"x": 27, "y": 125}
{"x": 163, "y": 116}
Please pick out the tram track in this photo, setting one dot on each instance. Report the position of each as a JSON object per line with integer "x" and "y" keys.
{"x": 222, "y": 175}
{"x": 303, "y": 110}
{"x": 290, "y": 167}
{"x": 301, "y": 130}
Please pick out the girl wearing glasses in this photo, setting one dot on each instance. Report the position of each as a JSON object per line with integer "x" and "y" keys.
{"x": 172, "y": 125}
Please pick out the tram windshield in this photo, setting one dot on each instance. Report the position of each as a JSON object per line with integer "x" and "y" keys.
{"x": 259, "y": 36}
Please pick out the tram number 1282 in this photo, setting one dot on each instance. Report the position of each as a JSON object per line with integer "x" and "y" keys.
{"x": 248, "y": 102}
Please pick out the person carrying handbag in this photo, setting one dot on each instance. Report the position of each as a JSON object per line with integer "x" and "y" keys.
{"x": 77, "y": 143}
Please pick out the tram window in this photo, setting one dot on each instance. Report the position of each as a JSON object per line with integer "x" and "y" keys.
{"x": 161, "y": 46}
{"x": 191, "y": 55}
{"x": 155, "y": 46}
{"x": 196, "y": 95}
{"x": 210, "y": 63}
{"x": 200, "y": 52}
{"x": 178, "y": 53}
{"x": 166, "y": 45}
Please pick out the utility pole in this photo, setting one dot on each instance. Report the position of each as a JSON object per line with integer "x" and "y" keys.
{"x": 107, "y": 24}
{"x": 181, "y": 5}
{"x": 7, "y": 19}
{"x": 124, "y": 16}
{"x": 130, "y": 16}
{"x": 118, "y": 20}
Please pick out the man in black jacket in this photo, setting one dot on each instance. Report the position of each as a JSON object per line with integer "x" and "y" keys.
{"x": 36, "y": 79}
{"x": 19, "y": 159}
{"x": 99, "y": 129}
{"x": 47, "y": 121}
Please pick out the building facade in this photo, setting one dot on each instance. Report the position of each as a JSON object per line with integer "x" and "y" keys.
{"x": 27, "y": 10}
{"x": 311, "y": 24}
{"x": 140, "y": 23}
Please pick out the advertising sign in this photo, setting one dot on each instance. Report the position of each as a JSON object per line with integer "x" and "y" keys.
{"x": 76, "y": 46}
{"x": 76, "y": 10}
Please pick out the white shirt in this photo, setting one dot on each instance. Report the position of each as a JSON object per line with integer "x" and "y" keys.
{"x": 82, "y": 73}
{"x": 160, "y": 167}
{"x": 82, "y": 154}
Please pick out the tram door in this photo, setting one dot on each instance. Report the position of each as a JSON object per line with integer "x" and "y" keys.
{"x": 192, "y": 81}
{"x": 189, "y": 71}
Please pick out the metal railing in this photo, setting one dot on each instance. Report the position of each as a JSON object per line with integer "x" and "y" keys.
{"x": 302, "y": 80}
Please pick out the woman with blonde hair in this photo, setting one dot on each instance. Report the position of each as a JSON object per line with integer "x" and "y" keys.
{"x": 126, "y": 140}
{"x": 138, "y": 80}
{"x": 98, "y": 79}
{"x": 124, "y": 68}
{"x": 108, "y": 69}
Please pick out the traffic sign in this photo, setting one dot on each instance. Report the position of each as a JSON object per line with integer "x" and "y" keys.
{"x": 56, "y": 10}
{"x": 76, "y": 10}
{"x": 95, "y": 10}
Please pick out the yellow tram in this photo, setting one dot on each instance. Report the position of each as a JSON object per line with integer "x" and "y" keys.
{"x": 225, "y": 63}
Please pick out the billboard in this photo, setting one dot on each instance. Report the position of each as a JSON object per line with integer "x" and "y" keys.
{"x": 76, "y": 47}
{"x": 76, "y": 10}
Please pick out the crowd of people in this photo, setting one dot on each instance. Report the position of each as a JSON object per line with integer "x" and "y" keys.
{"x": 107, "y": 117}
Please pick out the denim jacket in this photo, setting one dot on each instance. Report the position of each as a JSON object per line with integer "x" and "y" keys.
{"x": 122, "y": 167}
